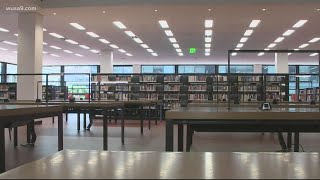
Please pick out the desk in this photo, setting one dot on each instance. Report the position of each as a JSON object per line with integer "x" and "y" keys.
{"x": 76, "y": 164}
{"x": 240, "y": 119}
{"x": 10, "y": 114}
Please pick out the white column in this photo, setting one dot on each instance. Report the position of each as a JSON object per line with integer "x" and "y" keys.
{"x": 257, "y": 68}
{"x": 30, "y": 46}
{"x": 106, "y": 62}
{"x": 281, "y": 63}
{"x": 136, "y": 68}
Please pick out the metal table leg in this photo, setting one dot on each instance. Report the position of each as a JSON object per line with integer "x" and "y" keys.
{"x": 141, "y": 119}
{"x": 78, "y": 121}
{"x": 189, "y": 138}
{"x": 122, "y": 125}
{"x": 169, "y": 136}
{"x": 289, "y": 141}
{"x": 84, "y": 121}
{"x": 2, "y": 150}
{"x": 15, "y": 136}
{"x": 180, "y": 137}
{"x": 296, "y": 142}
{"x": 149, "y": 118}
{"x": 52, "y": 119}
{"x": 105, "y": 130}
{"x": 60, "y": 132}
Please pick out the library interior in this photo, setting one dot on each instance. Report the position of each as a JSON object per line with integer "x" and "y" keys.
{"x": 182, "y": 89}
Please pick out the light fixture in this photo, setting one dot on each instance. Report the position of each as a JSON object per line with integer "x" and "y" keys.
{"x": 289, "y": 54}
{"x": 144, "y": 46}
{"x": 4, "y": 30}
{"x": 297, "y": 49}
{"x": 208, "y": 23}
{"x": 254, "y": 23}
{"x": 172, "y": 40}
{"x": 156, "y": 10}
{"x": 207, "y": 45}
{"x": 103, "y": 12}
{"x": 303, "y": 46}
{"x": 104, "y": 41}
{"x": 54, "y": 55}
{"x": 92, "y": 34}
{"x": 122, "y": 51}
{"x": 179, "y": 50}
{"x": 288, "y": 32}
{"x": 10, "y": 43}
{"x": 168, "y": 32}
{"x": 3, "y": 49}
{"x": 137, "y": 40}
{"x": 279, "y": 39}
{"x": 56, "y": 35}
{"x": 128, "y": 54}
{"x": 207, "y": 54}
{"x": 299, "y": 23}
{"x": 243, "y": 40}
{"x": 267, "y": 49}
{"x": 272, "y": 45}
{"x": 314, "y": 40}
{"x": 314, "y": 54}
{"x": 180, "y": 54}
{"x": 264, "y": 9}
{"x": 94, "y": 51}
{"x": 154, "y": 54}
{"x": 67, "y": 51}
{"x": 16, "y": 34}
{"x": 209, "y": 9}
{"x": 207, "y": 39}
{"x": 44, "y": 29}
{"x": 71, "y": 41}
{"x": 176, "y": 45}
{"x": 163, "y": 24}
{"x": 234, "y": 54}
{"x": 150, "y": 50}
{"x": 119, "y": 24}
{"x": 237, "y": 49}
{"x": 55, "y": 47}
{"x": 84, "y": 47}
{"x": 77, "y": 26}
{"x": 261, "y": 54}
{"x": 208, "y": 32}
{"x": 54, "y": 13}
{"x": 207, "y": 50}
{"x": 240, "y": 45}
{"x": 44, "y": 43}
{"x": 130, "y": 33}
{"x": 79, "y": 55}
{"x": 114, "y": 46}
{"x": 44, "y": 52}
{"x": 248, "y": 32}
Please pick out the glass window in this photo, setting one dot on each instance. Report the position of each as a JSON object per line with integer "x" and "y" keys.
{"x": 12, "y": 69}
{"x": 308, "y": 69}
{"x": 189, "y": 69}
{"x": 52, "y": 79}
{"x": 268, "y": 69}
{"x": 237, "y": 69}
{"x": 122, "y": 69}
{"x": 158, "y": 69}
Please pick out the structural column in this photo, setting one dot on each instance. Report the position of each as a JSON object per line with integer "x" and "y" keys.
{"x": 282, "y": 63}
{"x": 136, "y": 68}
{"x": 30, "y": 49}
{"x": 106, "y": 62}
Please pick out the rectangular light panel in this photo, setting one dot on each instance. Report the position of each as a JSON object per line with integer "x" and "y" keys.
{"x": 164, "y": 24}
{"x": 208, "y": 23}
{"x": 92, "y": 34}
{"x": 119, "y": 24}
{"x": 77, "y": 26}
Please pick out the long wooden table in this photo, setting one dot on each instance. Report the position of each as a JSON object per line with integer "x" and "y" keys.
{"x": 77, "y": 164}
{"x": 10, "y": 114}
{"x": 240, "y": 119}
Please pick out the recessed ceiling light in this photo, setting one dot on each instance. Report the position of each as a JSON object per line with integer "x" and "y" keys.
{"x": 179, "y": 50}
{"x": 318, "y": 9}
{"x": 54, "y": 55}
{"x": 288, "y": 32}
{"x": 180, "y": 54}
{"x": 92, "y": 34}
{"x": 119, "y": 24}
{"x": 237, "y": 49}
{"x": 77, "y": 26}
{"x": 114, "y": 46}
{"x": 209, "y": 9}
{"x": 314, "y": 54}
{"x": 208, "y": 39}
{"x": 176, "y": 45}
{"x": 261, "y": 54}
{"x": 103, "y": 12}
{"x": 173, "y": 40}
{"x": 10, "y": 43}
{"x": 44, "y": 29}
{"x": 55, "y": 47}
{"x": 240, "y": 45}
{"x": 54, "y": 13}
{"x": 79, "y": 55}
{"x": 208, "y": 32}
{"x": 130, "y": 33}
{"x": 94, "y": 51}
{"x": 264, "y": 9}
{"x": 56, "y": 35}
{"x": 150, "y": 50}
{"x": 104, "y": 41}
{"x": 272, "y": 45}
{"x": 164, "y": 24}
{"x": 67, "y": 51}
{"x": 4, "y": 30}
{"x": 314, "y": 40}
{"x": 207, "y": 50}
{"x": 168, "y": 32}
{"x": 156, "y": 10}
{"x": 296, "y": 49}
{"x": 154, "y": 54}
{"x": 267, "y": 49}
{"x": 122, "y": 51}
{"x": 207, "y": 54}
{"x": 128, "y": 54}
{"x": 279, "y": 39}
{"x": 137, "y": 40}
{"x": 243, "y": 40}
{"x": 3, "y": 49}
{"x": 44, "y": 52}
{"x": 207, "y": 45}
{"x": 84, "y": 47}
{"x": 248, "y": 32}
{"x": 44, "y": 43}
{"x": 300, "y": 23}
{"x": 234, "y": 54}
{"x": 254, "y": 23}
{"x": 16, "y": 34}
{"x": 208, "y": 23}
{"x": 303, "y": 46}
{"x": 71, "y": 41}
{"x": 144, "y": 46}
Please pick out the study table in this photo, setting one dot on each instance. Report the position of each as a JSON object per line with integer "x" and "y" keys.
{"x": 240, "y": 119}
{"x": 78, "y": 164}
{"x": 15, "y": 114}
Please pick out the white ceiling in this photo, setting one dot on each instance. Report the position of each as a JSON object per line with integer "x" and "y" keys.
{"x": 186, "y": 20}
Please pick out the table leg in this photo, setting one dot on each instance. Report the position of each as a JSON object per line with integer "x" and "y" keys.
{"x": 180, "y": 137}
{"x": 66, "y": 116}
{"x": 169, "y": 135}
{"x": 28, "y": 133}
{"x": 52, "y": 119}
{"x": 289, "y": 141}
{"x": 15, "y": 136}
{"x": 78, "y": 121}
{"x": 105, "y": 130}
{"x": 33, "y": 133}
{"x": 141, "y": 119}
{"x": 282, "y": 142}
{"x": 122, "y": 125}
{"x": 2, "y": 150}
{"x": 91, "y": 121}
{"x": 296, "y": 142}
{"x": 189, "y": 137}
{"x": 60, "y": 132}
{"x": 161, "y": 114}
{"x": 84, "y": 121}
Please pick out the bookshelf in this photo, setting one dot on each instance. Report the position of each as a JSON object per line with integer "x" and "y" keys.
{"x": 8, "y": 91}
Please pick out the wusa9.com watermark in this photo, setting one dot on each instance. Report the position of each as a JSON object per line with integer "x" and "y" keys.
{"x": 20, "y": 8}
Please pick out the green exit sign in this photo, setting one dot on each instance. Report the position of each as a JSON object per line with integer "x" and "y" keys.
{"x": 192, "y": 50}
